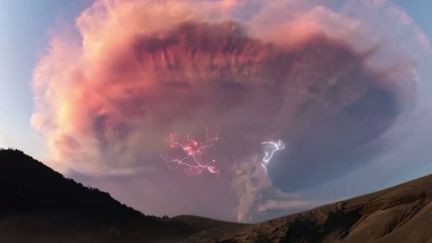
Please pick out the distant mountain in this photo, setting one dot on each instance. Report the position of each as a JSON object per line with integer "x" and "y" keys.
{"x": 39, "y": 205}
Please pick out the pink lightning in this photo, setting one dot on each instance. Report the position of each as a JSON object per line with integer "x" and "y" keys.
{"x": 190, "y": 152}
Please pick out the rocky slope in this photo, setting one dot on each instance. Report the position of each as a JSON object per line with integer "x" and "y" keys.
{"x": 399, "y": 214}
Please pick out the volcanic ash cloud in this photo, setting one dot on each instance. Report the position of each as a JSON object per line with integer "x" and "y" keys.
{"x": 306, "y": 72}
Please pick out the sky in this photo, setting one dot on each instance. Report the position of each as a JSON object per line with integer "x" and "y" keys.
{"x": 103, "y": 134}
{"x": 25, "y": 28}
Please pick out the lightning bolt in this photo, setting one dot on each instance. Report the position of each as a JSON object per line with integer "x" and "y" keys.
{"x": 270, "y": 148}
{"x": 189, "y": 152}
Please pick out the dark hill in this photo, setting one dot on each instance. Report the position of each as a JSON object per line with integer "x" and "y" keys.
{"x": 38, "y": 204}
{"x": 27, "y": 185}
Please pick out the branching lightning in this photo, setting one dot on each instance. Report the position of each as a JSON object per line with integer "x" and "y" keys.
{"x": 270, "y": 148}
{"x": 189, "y": 152}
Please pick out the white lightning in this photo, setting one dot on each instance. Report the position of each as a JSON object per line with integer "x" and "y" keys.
{"x": 270, "y": 148}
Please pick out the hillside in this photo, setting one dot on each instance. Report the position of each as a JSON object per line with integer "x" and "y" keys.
{"x": 38, "y": 204}
{"x": 27, "y": 185}
{"x": 399, "y": 214}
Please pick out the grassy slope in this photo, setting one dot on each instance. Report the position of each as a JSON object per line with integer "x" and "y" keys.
{"x": 398, "y": 214}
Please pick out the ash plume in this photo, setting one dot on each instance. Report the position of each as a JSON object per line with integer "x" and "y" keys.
{"x": 305, "y": 71}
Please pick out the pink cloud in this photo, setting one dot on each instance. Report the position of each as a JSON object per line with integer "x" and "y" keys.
{"x": 143, "y": 69}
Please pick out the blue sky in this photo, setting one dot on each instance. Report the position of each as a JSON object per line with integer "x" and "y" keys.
{"x": 25, "y": 28}
{"x": 420, "y": 10}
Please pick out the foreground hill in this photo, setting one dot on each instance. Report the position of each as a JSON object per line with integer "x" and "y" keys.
{"x": 27, "y": 185}
{"x": 38, "y": 204}
{"x": 399, "y": 214}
